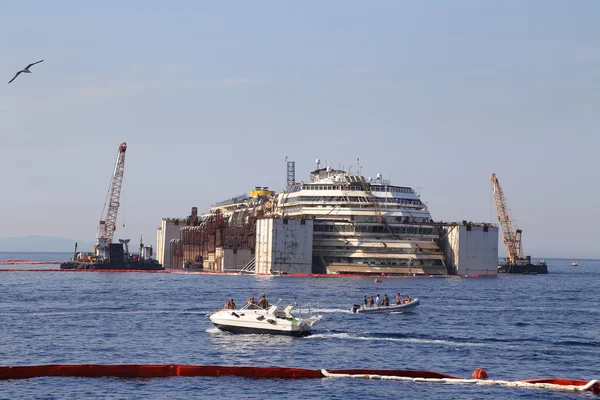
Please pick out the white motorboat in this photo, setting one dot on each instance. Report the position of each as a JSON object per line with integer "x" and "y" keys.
{"x": 273, "y": 320}
{"x": 404, "y": 307}
{"x": 575, "y": 263}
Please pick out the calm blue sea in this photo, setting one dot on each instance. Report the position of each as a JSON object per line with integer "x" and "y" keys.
{"x": 513, "y": 326}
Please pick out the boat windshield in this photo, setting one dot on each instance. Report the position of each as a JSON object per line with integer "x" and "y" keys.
{"x": 254, "y": 306}
{"x": 251, "y": 306}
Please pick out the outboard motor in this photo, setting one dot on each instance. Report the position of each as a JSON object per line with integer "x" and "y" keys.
{"x": 355, "y": 307}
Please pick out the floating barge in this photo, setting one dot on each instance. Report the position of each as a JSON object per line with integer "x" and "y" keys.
{"x": 523, "y": 266}
{"x": 118, "y": 258}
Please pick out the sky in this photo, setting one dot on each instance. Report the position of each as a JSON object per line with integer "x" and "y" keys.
{"x": 212, "y": 96}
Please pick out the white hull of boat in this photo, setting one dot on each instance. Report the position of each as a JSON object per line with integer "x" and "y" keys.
{"x": 272, "y": 321}
{"x": 406, "y": 307}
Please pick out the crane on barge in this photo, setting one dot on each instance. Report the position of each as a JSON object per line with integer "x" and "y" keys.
{"x": 108, "y": 225}
{"x": 515, "y": 262}
{"x": 107, "y": 255}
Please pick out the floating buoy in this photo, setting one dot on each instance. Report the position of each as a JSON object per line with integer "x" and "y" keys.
{"x": 479, "y": 374}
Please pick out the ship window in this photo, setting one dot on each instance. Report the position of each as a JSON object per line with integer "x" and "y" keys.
{"x": 302, "y": 222}
{"x": 285, "y": 221}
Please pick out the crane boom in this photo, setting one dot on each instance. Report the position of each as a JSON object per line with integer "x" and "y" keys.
{"x": 510, "y": 236}
{"x": 109, "y": 223}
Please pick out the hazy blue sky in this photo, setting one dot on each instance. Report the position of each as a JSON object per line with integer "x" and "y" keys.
{"x": 212, "y": 96}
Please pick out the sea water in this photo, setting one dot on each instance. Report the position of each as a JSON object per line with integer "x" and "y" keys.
{"x": 513, "y": 326}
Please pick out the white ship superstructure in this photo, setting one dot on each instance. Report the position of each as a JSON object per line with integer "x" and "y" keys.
{"x": 365, "y": 225}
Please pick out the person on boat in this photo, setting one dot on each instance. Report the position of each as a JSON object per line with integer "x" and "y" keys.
{"x": 227, "y": 305}
{"x": 250, "y": 300}
{"x": 366, "y": 301}
{"x": 377, "y": 301}
{"x": 263, "y": 302}
{"x": 398, "y": 297}
{"x": 386, "y": 300}
{"x": 371, "y": 301}
{"x": 232, "y": 305}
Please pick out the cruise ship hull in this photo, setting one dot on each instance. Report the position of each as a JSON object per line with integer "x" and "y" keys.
{"x": 354, "y": 269}
{"x": 334, "y": 223}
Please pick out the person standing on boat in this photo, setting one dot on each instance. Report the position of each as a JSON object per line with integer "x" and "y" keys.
{"x": 377, "y": 301}
{"x": 386, "y": 300}
{"x": 371, "y": 301}
{"x": 366, "y": 301}
{"x": 398, "y": 298}
{"x": 263, "y": 302}
{"x": 232, "y": 304}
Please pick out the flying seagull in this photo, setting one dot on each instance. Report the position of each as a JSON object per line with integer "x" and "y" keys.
{"x": 26, "y": 70}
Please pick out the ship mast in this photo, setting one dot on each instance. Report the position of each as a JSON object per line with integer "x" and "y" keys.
{"x": 511, "y": 237}
{"x": 108, "y": 224}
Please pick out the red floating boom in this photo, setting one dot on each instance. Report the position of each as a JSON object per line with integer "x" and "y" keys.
{"x": 168, "y": 370}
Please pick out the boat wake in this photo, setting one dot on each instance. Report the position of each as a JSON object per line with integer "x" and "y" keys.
{"x": 458, "y": 344}
{"x": 378, "y": 338}
{"x": 325, "y": 310}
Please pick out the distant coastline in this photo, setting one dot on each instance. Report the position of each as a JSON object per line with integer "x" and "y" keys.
{"x": 44, "y": 244}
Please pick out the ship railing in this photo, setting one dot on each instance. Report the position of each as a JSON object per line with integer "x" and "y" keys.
{"x": 250, "y": 267}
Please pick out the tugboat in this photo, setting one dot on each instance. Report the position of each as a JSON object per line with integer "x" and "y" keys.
{"x": 115, "y": 256}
